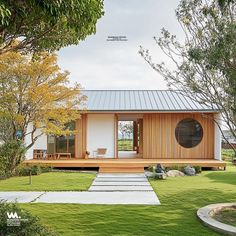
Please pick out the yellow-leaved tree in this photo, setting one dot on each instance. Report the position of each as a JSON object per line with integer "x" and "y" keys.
{"x": 35, "y": 92}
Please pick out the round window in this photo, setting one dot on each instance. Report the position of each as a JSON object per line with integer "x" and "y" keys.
{"x": 188, "y": 133}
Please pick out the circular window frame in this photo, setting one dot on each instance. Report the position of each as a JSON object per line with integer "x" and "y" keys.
{"x": 178, "y": 127}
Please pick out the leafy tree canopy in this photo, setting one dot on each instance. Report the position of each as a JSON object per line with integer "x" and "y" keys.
{"x": 204, "y": 65}
{"x": 35, "y": 94}
{"x": 45, "y": 24}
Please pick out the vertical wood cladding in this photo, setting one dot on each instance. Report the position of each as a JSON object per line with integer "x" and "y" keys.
{"x": 80, "y": 138}
{"x": 159, "y": 137}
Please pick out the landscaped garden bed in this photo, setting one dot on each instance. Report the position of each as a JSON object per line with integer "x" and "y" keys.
{"x": 227, "y": 216}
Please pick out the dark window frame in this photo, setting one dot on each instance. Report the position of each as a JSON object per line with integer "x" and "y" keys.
{"x": 189, "y": 133}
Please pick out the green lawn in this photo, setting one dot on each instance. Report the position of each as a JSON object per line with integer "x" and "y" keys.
{"x": 52, "y": 181}
{"x": 125, "y": 145}
{"x": 180, "y": 198}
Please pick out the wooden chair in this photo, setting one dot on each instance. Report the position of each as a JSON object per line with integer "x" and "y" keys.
{"x": 50, "y": 156}
{"x": 39, "y": 154}
{"x": 100, "y": 152}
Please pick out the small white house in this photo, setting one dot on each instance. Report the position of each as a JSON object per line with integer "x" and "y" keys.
{"x": 166, "y": 124}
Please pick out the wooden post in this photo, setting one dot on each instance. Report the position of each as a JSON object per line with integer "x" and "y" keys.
{"x": 116, "y": 135}
{"x": 141, "y": 136}
{"x": 135, "y": 136}
{"x": 30, "y": 178}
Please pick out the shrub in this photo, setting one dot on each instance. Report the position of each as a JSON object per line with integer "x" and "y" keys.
{"x": 151, "y": 168}
{"x": 198, "y": 169}
{"x": 46, "y": 168}
{"x": 24, "y": 170}
{"x": 29, "y": 224}
{"x": 175, "y": 167}
{"x": 11, "y": 155}
{"x": 36, "y": 170}
{"x": 227, "y": 154}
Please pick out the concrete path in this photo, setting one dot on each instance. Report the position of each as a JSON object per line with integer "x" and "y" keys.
{"x": 22, "y": 196}
{"x": 135, "y": 186}
{"x": 120, "y": 182}
{"x": 106, "y": 189}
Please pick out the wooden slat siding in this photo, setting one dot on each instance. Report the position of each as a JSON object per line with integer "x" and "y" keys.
{"x": 160, "y": 142}
{"x": 77, "y": 128}
{"x": 84, "y": 139}
{"x": 80, "y": 138}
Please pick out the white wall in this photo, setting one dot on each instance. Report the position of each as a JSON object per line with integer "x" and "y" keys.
{"x": 41, "y": 142}
{"x": 217, "y": 146}
{"x": 101, "y": 133}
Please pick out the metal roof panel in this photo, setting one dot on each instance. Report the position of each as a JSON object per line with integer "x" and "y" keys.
{"x": 141, "y": 100}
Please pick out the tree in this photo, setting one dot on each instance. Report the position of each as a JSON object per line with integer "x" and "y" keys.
{"x": 122, "y": 129}
{"x": 34, "y": 91}
{"x": 6, "y": 131}
{"x": 128, "y": 127}
{"x": 205, "y": 64}
{"x": 46, "y": 25}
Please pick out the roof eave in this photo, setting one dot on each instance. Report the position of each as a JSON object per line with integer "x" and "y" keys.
{"x": 152, "y": 111}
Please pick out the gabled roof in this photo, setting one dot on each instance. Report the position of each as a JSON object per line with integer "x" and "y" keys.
{"x": 142, "y": 101}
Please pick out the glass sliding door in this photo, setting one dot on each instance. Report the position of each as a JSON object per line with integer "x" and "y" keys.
{"x": 62, "y": 144}
{"x": 65, "y": 144}
{"x": 71, "y": 145}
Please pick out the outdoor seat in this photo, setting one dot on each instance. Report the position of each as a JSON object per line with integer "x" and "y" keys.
{"x": 39, "y": 154}
{"x": 59, "y": 155}
{"x": 100, "y": 152}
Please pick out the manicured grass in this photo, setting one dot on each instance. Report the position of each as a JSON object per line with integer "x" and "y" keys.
{"x": 180, "y": 198}
{"x": 52, "y": 181}
{"x": 227, "y": 154}
{"x": 125, "y": 145}
{"x": 227, "y": 216}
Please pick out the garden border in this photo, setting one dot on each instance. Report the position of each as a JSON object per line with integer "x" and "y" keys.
{"x": 205, "y": 214}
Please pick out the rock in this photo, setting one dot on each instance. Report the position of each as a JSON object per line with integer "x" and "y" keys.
{"x": 155, "y": 175}
{"x": 174, "y": 173}
{"x": 148, "y": 173}
{"x": 159, "y": 175}
{"x": 188, "y": 170}
{"x": 160, "y": 169}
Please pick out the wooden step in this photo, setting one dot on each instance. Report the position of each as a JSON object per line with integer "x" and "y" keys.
{"x": 121, "y": 169}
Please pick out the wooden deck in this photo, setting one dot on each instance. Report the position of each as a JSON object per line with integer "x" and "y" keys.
{"x": 126, "y": 165}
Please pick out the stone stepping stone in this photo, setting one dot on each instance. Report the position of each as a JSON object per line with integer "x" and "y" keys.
{"x": 120, "y": 175}
{"x": 121, "y": 179}
{"x": 133, "y": 183}
{"x": 120, "y": 188}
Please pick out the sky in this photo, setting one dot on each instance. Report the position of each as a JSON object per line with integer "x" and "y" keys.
{"x": 100, "y": 64}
